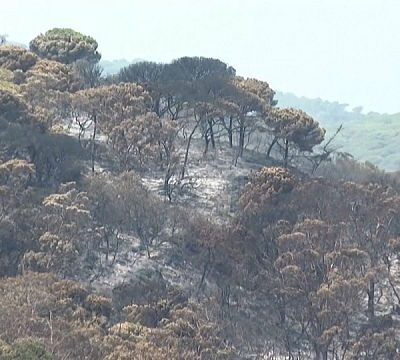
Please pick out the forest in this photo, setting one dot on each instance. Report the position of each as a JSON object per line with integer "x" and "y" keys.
{"x": 377, "y": 145}
{"x": 178, "y": 211}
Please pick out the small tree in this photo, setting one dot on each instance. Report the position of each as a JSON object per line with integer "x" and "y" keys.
{"x": 88, "y": 73}
{"x": 17, "y": 213}
{"x": 111, "y": 110}
{"x": 295, "y": 128}
{"x": 264, "y": 187}
{"x": 46, "y": 89}
{"x": 264, "y": 202}
{"x": 123, "y": 203}
{"x": 144, "y": 213}
{"x": 68, "y": 235}
{"x": 16, "y": 58}
{"x": 105, "y": 202}
{"x": 136, "y": 141}
{"x": 373, "y": 212}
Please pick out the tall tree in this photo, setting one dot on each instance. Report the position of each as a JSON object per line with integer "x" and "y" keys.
{"x": 254, "y": 98}
{"x": 65, "y": 45}
{"x": 108, "y": 109}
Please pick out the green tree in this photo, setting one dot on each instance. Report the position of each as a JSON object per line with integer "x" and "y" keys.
{"x": 65, "y": 45}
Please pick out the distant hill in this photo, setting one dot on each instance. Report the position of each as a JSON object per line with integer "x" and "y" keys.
{"x": 322, "y": 110}
{"x": 111, "y": 67}
{"x": 375, "y": 138}
{"x": 15, "y": 43}
{"x": 372, "y": 137}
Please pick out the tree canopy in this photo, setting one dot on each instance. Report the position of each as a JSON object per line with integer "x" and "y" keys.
{"x": 65, "y": 45}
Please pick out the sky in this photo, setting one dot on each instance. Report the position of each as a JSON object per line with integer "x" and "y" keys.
{"x": 338, "y": 50}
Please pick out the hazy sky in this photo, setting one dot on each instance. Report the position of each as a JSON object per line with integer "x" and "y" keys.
{"x": 345, "y": 50}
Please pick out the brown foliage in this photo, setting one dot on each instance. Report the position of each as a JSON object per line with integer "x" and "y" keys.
{"x": 68, "y": 235}
{"x": 264, "y": 189}
{"x": 40, "y": 307}
{"x": 16, "y": 58}
{"x": 295, "y": 126}
{"x": 16, "y": 212}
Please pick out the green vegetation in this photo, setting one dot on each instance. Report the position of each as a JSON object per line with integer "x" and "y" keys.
{"x": 26, "y": 350}
{"x": 368, "y": 137}
{"x": 373, "y": 139}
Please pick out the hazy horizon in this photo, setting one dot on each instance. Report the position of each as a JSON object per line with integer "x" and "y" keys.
{"x": 335, "y": 50}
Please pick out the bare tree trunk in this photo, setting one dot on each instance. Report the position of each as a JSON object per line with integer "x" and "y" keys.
{"x": 286, "y": 155}
{"x": 228, "y": 128}
{"x": 325, "y": 355}
{"x": 156, "y": 107}
{"x": 148, "y": 251}
{"x": 167, "y": 186}
{"x": 271, "y": 146}
{"x": 282, "y": 314}
{"x": 371, "y": 299}
{"x": 116, "y": 250}
{"x": 187, "y": 151}
{"x": 230, "y": 131}
{"x": 93, "y": 152}
{"x": 205, "y": 269}
{"x": 392, "y": 285}
{"x": 207, "y": 142}
{"x": 211, "y": 130}
{"x": 107, "y": 244}
{"x": 242, "y": 131}
{"x": 320, "y": 354}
